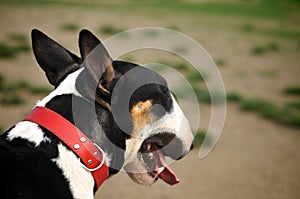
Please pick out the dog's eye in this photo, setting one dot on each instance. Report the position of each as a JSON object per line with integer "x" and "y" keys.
{"x": 165, "y": 89}
{"x": 103, "y": 83}
{"x": 103, "y": 87}
{"x": 175, "y": 96}
{"x": 157, "y": 110}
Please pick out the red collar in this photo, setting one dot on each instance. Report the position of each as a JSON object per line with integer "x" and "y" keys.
{"x": 90, "y": 154}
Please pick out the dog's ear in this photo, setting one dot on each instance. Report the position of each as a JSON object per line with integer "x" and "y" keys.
{"x": 96, "y": 60}
{"x": 55, "y": 60}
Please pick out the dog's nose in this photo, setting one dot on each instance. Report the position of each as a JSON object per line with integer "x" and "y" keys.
{"x": 192, "y": 146}
{"x": 180, "y": 157}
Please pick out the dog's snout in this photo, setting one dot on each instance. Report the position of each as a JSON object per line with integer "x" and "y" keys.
{"x": 180, "y": 157}
{"x": 192, "y": 146}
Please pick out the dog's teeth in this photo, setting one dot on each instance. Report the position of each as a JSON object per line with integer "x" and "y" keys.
{"x": 148, "y": 146}
{"x": 160, "y": 169}
{"x": 150, "y": 155}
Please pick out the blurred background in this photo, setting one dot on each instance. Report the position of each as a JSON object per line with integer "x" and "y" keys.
{"x": 254, "y": 43}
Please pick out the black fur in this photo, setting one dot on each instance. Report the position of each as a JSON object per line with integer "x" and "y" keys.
{"x": 28, "y": 171}
{"x": 108, "y": 137}
{"x": 55, "y": 60}
{"x": 25, "y": 168}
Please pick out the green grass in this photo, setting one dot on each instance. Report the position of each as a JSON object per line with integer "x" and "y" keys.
{"x": 10, "y": 93}
{"x": 22, "y": 85}
{"x": 1, "y": 82}
{"x": 15, "y": 86}
{"x": 22, "y": 48}
{"x": 293, "y": 105}
{"x": 258, "y": 50}
{"x": 247, "y": 27}
{"x": 270, "y": 9}
{"x": 181, "y": 66}
{"x": 270, "y": 73}
{"x": 19, "y": 85}
{"x": 15, "y": 44}
{"x": 11, "y": 99}
{"x": 7, "y": 98}
{"x": 191, "y": 74}
{"x": 199, "y": 138}
{"x": 156, "y": 67}
{"x": 266, "y": 109}
{"x": 109, "y": 29}
{"x": 272, "y": 46}
{"x": 1, "y": 130}
{"x": 262, "y": 49}
{"x": 173, "y": 27}
{"x": 270, "y": 32}
{"x": 19, "y": 42}
{"x": 70, "y": 27}
{"x": 39, "y": 90}
{"x": 233, "y": 97}
{"x": 220, "y": 62}
{"x": 194, "y": 76}
{"x": 263, "y": 8}
{"x": 292, "y": 90}
{"x": 204, "y": 96}
{"x": 18, "y": 37}
{"x": 289, "y": 114}
{"x": 7, "y": 51}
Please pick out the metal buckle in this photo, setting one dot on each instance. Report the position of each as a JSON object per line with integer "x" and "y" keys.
{"x": 100, "y": 165}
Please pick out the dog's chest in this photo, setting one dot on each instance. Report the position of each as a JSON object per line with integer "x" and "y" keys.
{"x": 80, "y": 180}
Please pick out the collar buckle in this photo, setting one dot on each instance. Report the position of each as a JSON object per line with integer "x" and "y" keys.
{"x": 101, "y": 163}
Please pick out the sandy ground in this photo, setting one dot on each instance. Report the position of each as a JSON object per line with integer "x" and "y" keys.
{"x": 253, "y": 162}
{"x": 254, "y": 158}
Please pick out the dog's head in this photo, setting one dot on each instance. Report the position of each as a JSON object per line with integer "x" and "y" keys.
{"x": 134, "y": 106}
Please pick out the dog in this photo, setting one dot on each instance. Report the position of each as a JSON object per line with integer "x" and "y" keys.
{"x": 90, "y": 126}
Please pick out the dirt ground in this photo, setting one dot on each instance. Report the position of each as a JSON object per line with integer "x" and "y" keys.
{"x": 254, "y": 157}
{"x": 251, "y": 160}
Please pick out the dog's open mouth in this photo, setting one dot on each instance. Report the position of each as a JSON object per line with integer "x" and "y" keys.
{"x": 154, "y": 150}
{"x": 158, "y": 168}
{"x": 150, "y": 163}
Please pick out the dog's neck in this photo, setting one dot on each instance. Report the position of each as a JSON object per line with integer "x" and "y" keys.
{"x": 92, "y": 119}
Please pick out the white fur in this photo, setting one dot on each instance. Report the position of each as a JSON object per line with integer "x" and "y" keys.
{"x": 29, "y": 131}
{"x": 174, "y": 122}
{"x": 66, "y": 87}
{"x": 107, "y": 159}
{"x": 80, "y": 180}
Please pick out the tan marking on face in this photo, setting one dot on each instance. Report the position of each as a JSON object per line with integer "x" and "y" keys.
{"x": 140, "y": 115}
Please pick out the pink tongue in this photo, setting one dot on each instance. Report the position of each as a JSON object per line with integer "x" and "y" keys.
{"x": 167, "y": 174}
